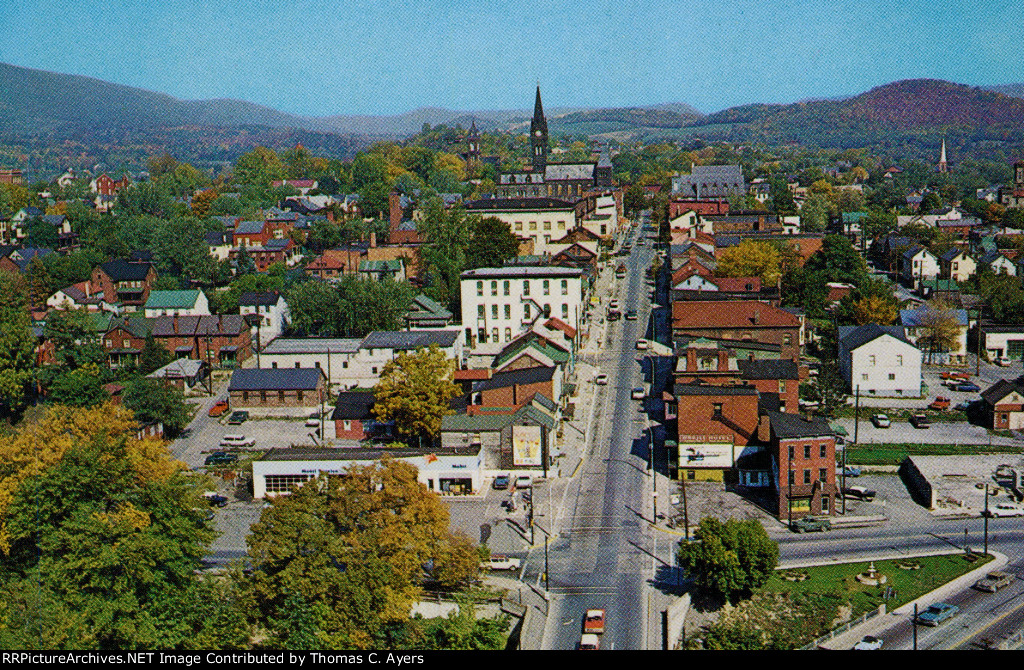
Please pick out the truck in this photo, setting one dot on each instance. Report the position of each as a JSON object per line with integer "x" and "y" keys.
{"x": 940, "y": 402}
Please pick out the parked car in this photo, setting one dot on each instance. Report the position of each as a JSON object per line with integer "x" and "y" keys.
{"x": 631, "y": 315}
{"x": 937, "y": 613}
{"x": 220, "y": 458}
{"x": 593, "y": 621}
{"x": 881, "y": 421}
{"x": 637, "y": 393}
{"x": 614, "y": 304}
{"x": 218, "y": 408}
{"x": 501, "y": 482}
{"x": 940, "y": 402}
{"x": 614, "y": 315}
{"x": 238, "y": 417}
{"x": 313, "y": 420}
{"x": 919, "y": 421}
{"x": 962, "y": 406}
{"x": 1004, "y": 361}
{"x": 237, "y": 440}
{"x": 216, "y": 499}
{"x": 956, "y": 374}
{"x": 810, "y": 524}
{"x": 499, "y": 562}
{"x": 850, "y": 471}
{"x": 601, "y": 380}
{"x": 524, "y": 482}
{"x": 869, "y": 643}
{"x": 859, "y": 493}
{"x": 1003, "y": 509}
{"x": 969, "y": 387}
{"x": 642, "y": 345}
{"x": 994, "y": 581}
{"x": 589, "y": 641}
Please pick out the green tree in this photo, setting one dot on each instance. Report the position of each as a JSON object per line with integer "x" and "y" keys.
{"x": 814, "y": 214}
{"x": 730, "y": 559}
{"x": 153, "y": 356}
{"x": 446, "y": 234}
{"x": 17, "y": 344}
{"x": 258, "y": 167}
{"x": 829, "y": 389}
{"x": 491, "y": 243}
{"x": 634, "y": 200}
{"x": 837, "y": 261}
{"x": 72, "y": 332}
{"x": 153, "y": 400}
{"x": 415, "y": 391}
{"x": 79, "y": 387}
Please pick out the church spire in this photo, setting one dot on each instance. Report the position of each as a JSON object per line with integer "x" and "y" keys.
{"x": 539, "y": 135}
{"x": 943, "y": 166}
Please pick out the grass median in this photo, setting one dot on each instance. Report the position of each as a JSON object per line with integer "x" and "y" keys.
{"x": 893, "y": 453}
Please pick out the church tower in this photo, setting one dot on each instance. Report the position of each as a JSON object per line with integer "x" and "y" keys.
{"x": 943, "y": 166}
{"x": 539, "y": 135}
{"x": 474, "y": 144}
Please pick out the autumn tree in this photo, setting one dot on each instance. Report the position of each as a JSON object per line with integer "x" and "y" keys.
{"x": 202, "y": 201}
{"x": 875, "y": 309}
{"x": 414, "y": 391}
{"x": 750, "y": 259}
{"x": 939, "y": 328}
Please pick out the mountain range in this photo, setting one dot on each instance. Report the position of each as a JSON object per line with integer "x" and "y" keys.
{"x": 40, "y": 108}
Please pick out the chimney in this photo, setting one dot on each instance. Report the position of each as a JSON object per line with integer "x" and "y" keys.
{"x": 373, "y": 239}
{"x": 757, "y": 316}
{"x": 175, "y": 323}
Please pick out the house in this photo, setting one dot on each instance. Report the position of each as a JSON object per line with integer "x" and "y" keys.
{"x": 333, "y": 263}
{"x": 1002, "y": 340}
{"x": 220, "y": 243}
{"x": 124, "y": 282}
{"x": 252, "y": 234}
{"x": 303, "y": 186}
{"x": 739, "y": 320}
{"x": 717, "y": 426}
{"x": 124, "y": 338}
{"x": 184, "y": 373}
{"x": 176, "y": 303}
{"x": 542, "y": 220}
{"x": 698, "y": 287}
{"x": 1004, "y": 404}
{"x": 269, "y": 313}
{"x": 268, "y": 388}
{"x": 679, "y": 205}
{"x": 915, "y": 324}
{"x": 958, "y": 265}
{"x": 803, "y": 465}
{"x": 500, "y": 303}
{"x": 222, "y": 340}
{"x": 515, "y": 387}
{"x": 917, "y": 264}
{"x": 425, "y": 313}
{"x": 522, "y": 442}
{"x": 354, "y": 419}
{"x": 1000, "y": 263}
{"x": 80, "y": 296}
{"x": 714, "y": 362}
{"x": 379, "y": 270}
{"x": 879, "y": 360}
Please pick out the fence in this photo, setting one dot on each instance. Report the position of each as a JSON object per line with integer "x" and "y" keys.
{"x": 845, "y": 627}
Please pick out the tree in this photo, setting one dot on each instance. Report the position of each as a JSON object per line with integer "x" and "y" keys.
{"x": 153, "y": 400}
{"x": 837, "y": 261}
{"x": 446, "y": 234}
{"x": 414, "y": 391}
{"x": 875, "y": 309}
{"x": 258, "y": 167}
{"x": 814, "y": 214}
{"x": 73, "y": 336}
{"x": 829, "y": 389}
{"x": 750, "y": 259}
{"x": 730, "y": 559}
{"x": 79, "y": 387}
{"x": 17, "y": 344}
{"x": 939, "y": 327}
{"x": 634, "y": 200}
{"x": 491, "y": 243}
{"x": 878, "y": 223}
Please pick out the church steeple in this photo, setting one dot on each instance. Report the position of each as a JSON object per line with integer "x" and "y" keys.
{"x": 474, "y": 142}
{"x": 539, "y": 135}
{"x": 943, "y": 166}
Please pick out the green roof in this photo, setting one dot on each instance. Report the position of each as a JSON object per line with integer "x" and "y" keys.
{"x": 854, "y": 217}
{"x": 172, "y": 299}
{"x": 941, "y": 284}
{"x": 543, "y": 346}
{"x": 381, "y": 266}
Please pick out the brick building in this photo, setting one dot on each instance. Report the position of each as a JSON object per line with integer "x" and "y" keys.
{"x": 803, "y": 453}
{"x": 739, "y": 320}
{"x": 125, "y": 282}
{"x": 269, "y": 388}
{"x": 222, "y": 340}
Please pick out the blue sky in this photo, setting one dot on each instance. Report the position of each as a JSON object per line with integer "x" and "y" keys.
{"x": 319, "y": 58}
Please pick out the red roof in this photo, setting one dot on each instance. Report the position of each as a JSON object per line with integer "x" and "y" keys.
{"x": 738, "y": 284}
{"x": 558, "y": 324}
{"x": 731, "y": 314}
{"x": 474, "y": 373}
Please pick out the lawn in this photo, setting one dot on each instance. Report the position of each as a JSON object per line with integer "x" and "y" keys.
{"x": 908, "y": 584}
{"x": 894, "y": 453}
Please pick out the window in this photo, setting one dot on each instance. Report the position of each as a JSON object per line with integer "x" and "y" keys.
{"x": 344, "y": 364}
{"x": 480, "y": 312}
{"x": 494, "y": 311}
{"x": 494, "y": 288}
{"x": 347, "y": 424}
{"x": 508, "y": 334}
{"x": 892, "y": 377}
{"x": 298, "y": 395}
{"x": 298, "y": 364}
{"x": 787, "y": 339}
{"x": 782, "y": 386}
{"x": 373, "y": 370}
{"x": 547, "y": 311}
{"x": 274, "y": 365}
{"x": 526, "y": 287}
{"x": 505, "y": 285}
{"x": 482, "y": 335}
{"x": 807, "y": 451}
{"x": 263, "y": 396}
{"x": 317, "y": 365}
{"x": 284, "y": 483}
{"x": 547, "y": 225}
{"x": 526, "y": 310}
{"x": 871, "y": 359}
{"x": 547, "y": 287}
{"x": 823, "y": 451}
{"x": 899, "y": 359}
{"x": 864, "y": 377}
{"x": 479, "y": 288}
{"x": 565, "y": 311}
{"x": 825, "y": 505}
{"x": 280, "y": 396}
{"x": 807, "y": 476}
{"x": 565, "y": 287}
{"x": 494, "y": 334}
{"x": 717, "y": 414}
{"x": 508, "y": 312}
{"x": 792, "y": 477}
{"x": 245, "y": 396}
{"x": 691, "y": 475}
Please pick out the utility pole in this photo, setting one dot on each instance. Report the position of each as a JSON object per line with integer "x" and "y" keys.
{"x": 986, "y": 518}
{"x": 856, "y": 415}
{"x": 789, "y": 499}
{"x": 977, "y": 359}
{"x": 915, "y": 626}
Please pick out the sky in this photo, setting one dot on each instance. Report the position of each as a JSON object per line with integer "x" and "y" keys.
{"x": 315, "y": 58}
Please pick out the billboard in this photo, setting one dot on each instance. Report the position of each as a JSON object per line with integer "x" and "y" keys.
{"x": 526, "y": 445}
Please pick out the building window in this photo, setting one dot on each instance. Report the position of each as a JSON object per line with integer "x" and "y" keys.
{"x": 494, "y": 288}
{"x": 280, "y": 396}
{"x": 892, "y": 377}
{"x": 792, "y": 478}
{"x": 547, "y": 287}
{"x": 317, "y": 365}
{"x": 526, "y": 287}
{"x": 565, "y": 287}
{"x": 494, "y": 311}
{"x": 825, "y": 505}
{"x": 274, "y": 365}
{"x": 782, "y": 386}
{"x": 479, "y": 288}
{"x": 691, "y": 475}
{"x": 823, "y": 475}
{"x": 263, "y": 396}
{"x": 807, "y": 451}
{"x": 547, "y": 311}
{"x": 480, "y": 312}
{"x": 344, "y": 364}
{"x": 824, "y": 450}
{"x": 373, "y": 370}
{"x": 791, "y": 453}
{"x": 298, "y": 395}
{"x": 494, "y": 334}
{"x": 864, "y": 377}
{"x": 871, "y": 359}
{"x": 284, "y": 483}
{"x": 787, "y": 339}
{"x": 505, "y": 285}
{"x": 298, "y": 364}
{"x": 807, "y": 476}
{"x": 526, "y": 311}
{"x": 245, "y": 396}
{"x": 347, "y": 424}
{"x": 508, "y": 312}
{"x": 899, "y": 359}
{"x": 508, "y": 334}
{"x": 717, "y": 411}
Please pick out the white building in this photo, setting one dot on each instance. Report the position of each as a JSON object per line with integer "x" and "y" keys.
{"x": 880, "y": 361}
{"x": 541, "y": 219}
{"x": 177, "y": 303}
{"x": 273, "y": 311}
{"x": 914, "y": 322}
{"x": 1003, "y": 340}
{"x": 500, "y": 303}
{"x": 918, "y": 263}
{"x": 281, "y": 469}
{"x": 357, "y": 363}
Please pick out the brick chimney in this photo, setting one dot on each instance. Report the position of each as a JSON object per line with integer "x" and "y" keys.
{"x": 395, "y": 209}
{"x": 757, "y": 316}
{"x": 373, "y": 239}
{"x": 175, "y": 323}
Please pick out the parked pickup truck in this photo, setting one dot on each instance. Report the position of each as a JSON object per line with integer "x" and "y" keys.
{"x": 810, "y": 524}
{"x": 941, "y": 402}
{"x": 994, "y": 581}
{"x": 501, "y": 563}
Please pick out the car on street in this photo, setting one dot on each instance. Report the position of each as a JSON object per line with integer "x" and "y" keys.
{"x": 919, "y": 421}
{"x": 1003, "y": 509}
{"x": 881, "y": 421}
{"x": 593, "y": 621}
{"x": 589, "y": 641}
{"x": 601, "y": 380}
{"x": 220, "y": 458}
{"x": 215, "y": 499}
{"x": 994, "y": 581}
{"x": 968, "y": 387}
{"x": 940, "y": 402}
{"x": 859, "y": 493}
{"x": 637, "y": 393}
{"x": 524, "y": 482}
{"x": 218, "y": 408}
{"x": 1004, "y": 361}
{"x": 937, "y": 613}
{"x": 614, "y": 304}
{"x": 850, "y": 471}
{"x": 501, "y": 482}
{"x": 614, "y": 315}
{"x": 810, "y": 524}
{"x": 313, "y": 420}
{"x": 642, "y": 345}
{"x": 237, "y": 440}
{"x": 238, "y": 417}
{"x": 869, "y": 643}
{"x": 499, "y": 562}
{"x": 631, "y": 315}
